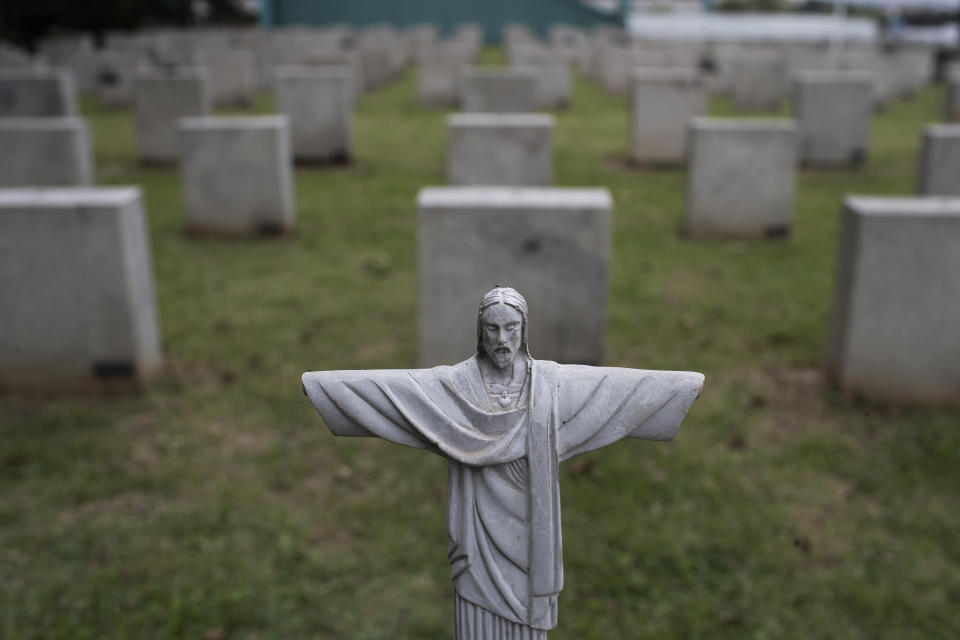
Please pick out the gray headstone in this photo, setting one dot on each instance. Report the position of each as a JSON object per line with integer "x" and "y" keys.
{"x": 159, "y": 102}
{"x": 499, "y": 90}
{"x": 759, "y": 81}
{"x": 318, "y": 104}
{"x": 833, "y": 112}
{"x": 438, "y": 79}
{"x": 510, "y": 149}
{"x": 553, "y": 76}
{"x": 45, "y": 152}
{"x": 742, "y": 177}
{"x": 895, "y": 334}
{"x": 26, "y": 93}
{"x": 236, "y": 174}
{"x": 662, "y": 102}
{"x": 232, "y": 75}
{"x": 951, "y": 97}
{"x": 939, "y": 173}
{"x": 76, "y": 281}
{"x": 552, "y": 241}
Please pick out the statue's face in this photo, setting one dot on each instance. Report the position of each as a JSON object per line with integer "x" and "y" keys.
{"x": 502, "y": 333}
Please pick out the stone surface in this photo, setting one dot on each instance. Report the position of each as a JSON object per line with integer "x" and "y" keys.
{"x": 499, "y": 90}
{"x": 26, "y": 93}
{"x": 742, "y": 177}
{"x": 45, "y": 152}
{"x": 895, "y": 334}
{"x": 833, "y": 112}
{"x": 662, "y": 102}
{"x": 554, "y": 87}
{"x": 438, "y": 79}
{"x": 318, "y": 104}
{"x": 232, "y": 75}
{"x": 759, "y": 81}
{"x": 76, "y": 281}
{"x": 514, "y": 149}
{"x": 236, "y": 174}
{"x": 553, "y": 241}
{"x": 160, "y": 100}
{"x": 951, "y": 97}
{"x": 504, "y": 422}
{"x": 939, "y": 172}
{"x": 114, "y": 74}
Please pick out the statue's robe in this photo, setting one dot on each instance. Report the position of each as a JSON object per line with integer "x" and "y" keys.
{"x": 503, "y": 499}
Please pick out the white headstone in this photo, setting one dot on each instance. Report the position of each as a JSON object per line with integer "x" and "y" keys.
{"x": 499, "y": 90}
{"x": 45, "y": 152}
{"x": 833, "y": 112}
{"x": 895, "y": 334}
{"x": 75, "y": 277}
{"x": 318, "y": 104}
{"x": 662, "y": 102}
{"x": 236, "y": 174}
{"x": 510, "y": 149}
{"x": 28, "y": 93}
{"x": 160, "y": 100}
{"x": 553, "y": 241}
{"x": 939, "y": 173}
{"x": 742, "y": 177}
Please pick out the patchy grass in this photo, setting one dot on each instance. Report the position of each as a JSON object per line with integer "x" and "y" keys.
{"x": 216, "y": 505}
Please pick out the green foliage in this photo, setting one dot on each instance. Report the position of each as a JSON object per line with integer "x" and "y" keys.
{"x": 217, "y": 505}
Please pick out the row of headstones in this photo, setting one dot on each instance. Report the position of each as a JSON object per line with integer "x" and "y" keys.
{"x": 76, "y": 273}
{"x": 241, "y": 62}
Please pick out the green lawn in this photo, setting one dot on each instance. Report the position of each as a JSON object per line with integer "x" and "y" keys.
{"x": 217, "y": 505}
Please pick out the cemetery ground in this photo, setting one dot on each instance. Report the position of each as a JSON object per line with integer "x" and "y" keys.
{"x": 217, "y": 505}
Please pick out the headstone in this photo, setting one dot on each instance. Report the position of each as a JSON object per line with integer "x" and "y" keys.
{"x": 438, "y": 79}
{"x": 26, "y": 93}
{"x": 759, "y": 81}
{"x": 510, "y": 149}
{"x": 662, "y": 102}
{"x": 833, "y": 112}
{"x": 75, "y": 276}
{"x": 951, "y": 97}
{"x": 553, "y": 76}
{"x": 115, "y": 71}
{"x": 232, "y": 76}
{"x": 499, "y": 90}
{"x": 939, "y": 173}
{"x": 160, "y": 100}
{"x": 742, "y": 177}
{"x": 318, "y": 104}
{"x": 895, "y": 334}
{"x": 45, "y": 152}
{"x": 504, "y": 422}
{"x": 236, "y": 174}
{"x": 551, "y": 240}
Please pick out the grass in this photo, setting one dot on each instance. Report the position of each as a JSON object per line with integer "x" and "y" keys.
{"x": 217, "y": 505}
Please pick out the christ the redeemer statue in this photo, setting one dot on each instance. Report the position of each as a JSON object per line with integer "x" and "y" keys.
{"x": 504, "y": 421}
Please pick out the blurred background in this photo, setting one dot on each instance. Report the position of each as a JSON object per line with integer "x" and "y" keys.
{"x": 200, "y": 200}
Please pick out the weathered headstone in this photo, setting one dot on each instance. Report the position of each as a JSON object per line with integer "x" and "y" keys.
{"x": 236, "y": 174}
{"x": 742, "y": 177}
{"x": 114, "y": 75}
{"x": 232, "y": 76}
{"x": 160, "y": 100}
{"x": 895, "y": 334}
{"x": 29, "y": 93}
{"x": 662, "y": 102}
{"x": 499, "y": 90}
{"x": 438, "y": 78}
{"x": 951, "y": 97}
{"x": 553, "y": 75}
{"x": 833, "y": 112}
{"x": 511, "y": 149}
{"x": 939, "y": 172}
{"x": 758, "y": 81}
{"x": 551, "y": 240}
{"x": 318, "y": 104}
{"x": 504, "y": 421}
{"x": 75, "y": 277}
{"x": 45, "y": 152}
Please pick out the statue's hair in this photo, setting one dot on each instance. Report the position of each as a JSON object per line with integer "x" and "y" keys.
{"x": 510, "y": 297}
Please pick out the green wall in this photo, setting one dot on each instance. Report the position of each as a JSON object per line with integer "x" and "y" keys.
{"x": 493, "y": 15}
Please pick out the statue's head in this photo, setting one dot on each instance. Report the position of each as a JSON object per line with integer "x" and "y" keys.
{"x": 502, "y": 326}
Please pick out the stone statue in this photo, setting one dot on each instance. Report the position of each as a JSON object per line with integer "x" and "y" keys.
{"x": 504, "y": 421}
